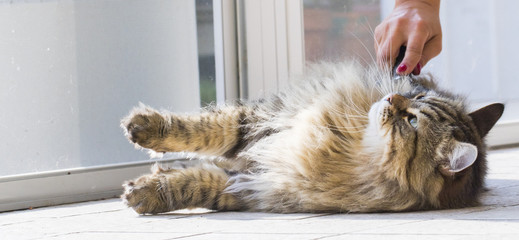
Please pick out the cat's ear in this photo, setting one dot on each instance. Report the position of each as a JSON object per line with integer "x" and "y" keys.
{"x": 462, "y": 156}
{"x": 485, "y": 118}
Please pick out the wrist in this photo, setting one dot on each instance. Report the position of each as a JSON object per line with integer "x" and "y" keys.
{"x": 433, "y": 4}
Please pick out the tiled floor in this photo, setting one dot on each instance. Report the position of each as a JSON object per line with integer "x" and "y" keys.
{"x": 497, "y": 218}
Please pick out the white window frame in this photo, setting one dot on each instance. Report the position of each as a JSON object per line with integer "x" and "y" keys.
{"x": 271, "y": 45}
{"x": 69, "y": 185}
{"x": 226, "y": 50}
{"x": 504, "y": 133}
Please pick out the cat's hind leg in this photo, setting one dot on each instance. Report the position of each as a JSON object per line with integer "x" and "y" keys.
{"x": 173, "y": 189}
{"x": 216, "y": 133}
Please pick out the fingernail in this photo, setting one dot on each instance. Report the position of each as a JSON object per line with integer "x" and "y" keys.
{"x": 417, "y": 69}
{"x": 401, "y": 68}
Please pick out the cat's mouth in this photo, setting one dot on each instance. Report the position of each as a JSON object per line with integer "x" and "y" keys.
{"x": 380, "y": 113}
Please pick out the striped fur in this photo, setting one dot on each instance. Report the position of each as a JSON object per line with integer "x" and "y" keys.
{"x": 340, "y": 140}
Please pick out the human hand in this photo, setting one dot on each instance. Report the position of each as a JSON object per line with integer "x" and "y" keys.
{"x": 414, "y": 24}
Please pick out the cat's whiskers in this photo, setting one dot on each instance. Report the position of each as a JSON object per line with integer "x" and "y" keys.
{"x": 346, "y": 129}
{"x": 366, "y": 48}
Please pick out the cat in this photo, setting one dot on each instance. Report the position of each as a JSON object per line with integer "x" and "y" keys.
{"x": 343, "y": 139}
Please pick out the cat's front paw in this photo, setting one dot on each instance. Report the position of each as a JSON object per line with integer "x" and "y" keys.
{"x": 146, "y": 195}
{"x": 145, "y": 127}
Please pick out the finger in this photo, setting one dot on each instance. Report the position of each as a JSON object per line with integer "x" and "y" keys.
{"x": 388, "y": 52}
{"x": 382, "y": 49}
{"x": 418, "y": 69}
{"x": 380, "y": 33}
{"x": 381, "y": 46}
{"x": 431, "y": 49}
{"x": 413, "y": 53}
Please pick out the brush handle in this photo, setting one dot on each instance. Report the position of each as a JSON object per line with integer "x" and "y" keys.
{"x": 398, "y": 60}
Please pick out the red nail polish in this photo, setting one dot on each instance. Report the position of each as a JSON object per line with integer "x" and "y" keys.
{"x": 417, "y": 69}
{"x": 401, "y": 68}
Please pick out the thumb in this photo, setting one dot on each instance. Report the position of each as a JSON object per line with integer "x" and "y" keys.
{"x": 431, "y": 50}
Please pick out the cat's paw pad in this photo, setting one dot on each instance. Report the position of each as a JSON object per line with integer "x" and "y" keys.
{"x": 143, "y": 195}
{"x": 145, "y": 127}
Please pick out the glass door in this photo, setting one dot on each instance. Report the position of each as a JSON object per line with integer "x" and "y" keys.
{"x": 70, "y": 70}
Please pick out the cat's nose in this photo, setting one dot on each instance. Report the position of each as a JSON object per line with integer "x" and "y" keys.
{"x": 398, "y": 101}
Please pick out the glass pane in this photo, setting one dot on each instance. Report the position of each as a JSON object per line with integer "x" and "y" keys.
{"x": 206, "y": 61}
{"x": 477, "y": 58}
{"x": 338, "y": 29}
{"x": 70, "y": 70}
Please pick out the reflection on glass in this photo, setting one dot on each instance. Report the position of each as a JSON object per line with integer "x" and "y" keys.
{"x": 206, "y": 64}
{"x": 338, "y": 29}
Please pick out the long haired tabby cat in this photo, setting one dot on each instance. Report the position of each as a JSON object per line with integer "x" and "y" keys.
{"x": 347, "y": 139}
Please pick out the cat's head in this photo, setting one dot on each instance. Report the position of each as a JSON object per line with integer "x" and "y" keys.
{"x": 432, "y": 145}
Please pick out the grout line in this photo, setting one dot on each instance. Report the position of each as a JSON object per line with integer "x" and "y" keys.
{"x": 127, "y": 232}
{"x": 359, "y": 231}
{"x": 329, "y": 236}
{"x": 315, "y": 216}
{"x": 262, "y": 234}
{"x": 490, "y": 219}
{"x": 14, "y": 223}
{"x": 403, "y": 234}
{"x": 60, "y": 217}
{"x": 90, "y": 213}
{"x": 193, "y": 235}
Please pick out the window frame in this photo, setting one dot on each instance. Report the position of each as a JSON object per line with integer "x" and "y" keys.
{"x": 39, "y": 189}
{"x": 226, "y": 50}
{"x": 270, "y": 45}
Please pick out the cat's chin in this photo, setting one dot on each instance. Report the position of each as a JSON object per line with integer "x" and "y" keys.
{"x": 376, "y": 113}
{"x": 373, "y": 140}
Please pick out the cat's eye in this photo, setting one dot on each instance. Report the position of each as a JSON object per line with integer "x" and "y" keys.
{"x": 420, "y": 96}
{"x": 413, "y": 121}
